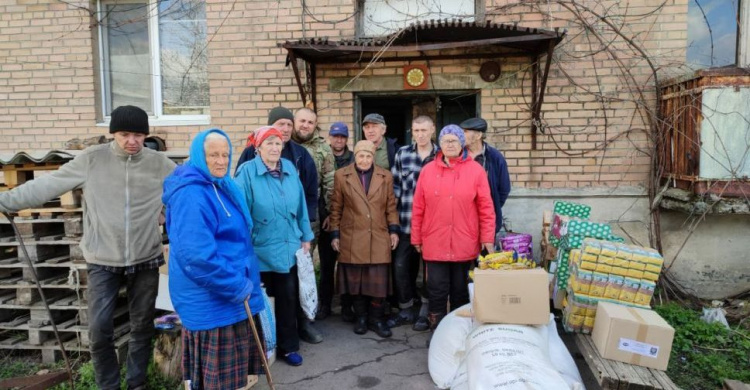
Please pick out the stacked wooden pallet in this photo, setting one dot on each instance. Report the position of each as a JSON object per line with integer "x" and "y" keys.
{"x": 51, "y": 235}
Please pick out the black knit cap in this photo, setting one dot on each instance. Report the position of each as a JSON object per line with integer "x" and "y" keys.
{"x": 279, "y": 113}
{"x": 476, "y": 124}
{"x": 128, "y": 118}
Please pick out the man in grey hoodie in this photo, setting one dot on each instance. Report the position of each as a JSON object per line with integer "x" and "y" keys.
{"x": 122, "y": 188}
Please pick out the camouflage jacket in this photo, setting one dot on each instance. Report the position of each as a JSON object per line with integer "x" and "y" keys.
{"x": 326, "y": 166}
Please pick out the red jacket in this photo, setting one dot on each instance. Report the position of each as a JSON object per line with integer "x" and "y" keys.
{"x": 453, "y": 211}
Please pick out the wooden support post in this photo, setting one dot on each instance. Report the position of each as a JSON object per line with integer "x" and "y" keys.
{"x": 295, "y": 68}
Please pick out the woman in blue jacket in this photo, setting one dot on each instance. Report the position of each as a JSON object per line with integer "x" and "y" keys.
{"x": 212, "y": 268}
{"x": 281, "y": 226}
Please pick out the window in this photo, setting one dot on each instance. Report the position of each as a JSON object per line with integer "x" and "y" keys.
{"x": 154, "y": 56}
{"x": 712, "y": 33}
{"x": 383, "y": 17}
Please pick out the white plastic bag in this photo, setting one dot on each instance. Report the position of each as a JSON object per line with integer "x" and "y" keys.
{"x": 511, "y": 357}
{"x": 715, "y": 314}
{"x": 308, "y": 292}
{"x": 448, "y": 347}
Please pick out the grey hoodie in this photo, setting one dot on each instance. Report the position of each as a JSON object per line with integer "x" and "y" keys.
{"x": 122, "y": 201}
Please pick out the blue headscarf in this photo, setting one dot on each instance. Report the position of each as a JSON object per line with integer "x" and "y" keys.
{"x": 198, "y": 161}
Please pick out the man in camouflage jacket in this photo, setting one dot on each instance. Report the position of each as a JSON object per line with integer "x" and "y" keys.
{"x": 305, "y": 126}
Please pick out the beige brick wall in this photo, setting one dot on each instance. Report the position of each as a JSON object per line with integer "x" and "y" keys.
{"x": 49, "y": 80}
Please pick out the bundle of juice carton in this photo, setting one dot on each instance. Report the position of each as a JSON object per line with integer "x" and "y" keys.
{"x": 608, "y": 272}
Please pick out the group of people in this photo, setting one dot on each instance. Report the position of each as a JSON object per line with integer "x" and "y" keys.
{"x": 375, "y": 213}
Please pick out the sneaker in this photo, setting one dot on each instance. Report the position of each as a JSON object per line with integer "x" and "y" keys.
{"x": 293, "y": 359}
{"x": 405, "y": 316}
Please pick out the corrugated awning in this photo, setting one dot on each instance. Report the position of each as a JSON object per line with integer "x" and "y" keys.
{"x": 431, "y": 36}
{"x": 434, "y": 39}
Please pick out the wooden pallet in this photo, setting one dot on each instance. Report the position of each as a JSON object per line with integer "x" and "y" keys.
{"x": 50, "y": 349}
{"x": 40, "y": 331}
{"x": 622, "y": 376}
{"x": 17, "y": 174}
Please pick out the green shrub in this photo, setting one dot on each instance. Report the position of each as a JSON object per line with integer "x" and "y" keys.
{"x": 703, "y": 355}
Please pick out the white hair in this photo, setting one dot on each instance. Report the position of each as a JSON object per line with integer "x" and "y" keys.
{"x": 214, "y": 137}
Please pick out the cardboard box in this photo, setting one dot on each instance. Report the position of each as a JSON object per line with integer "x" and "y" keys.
{"x": 632, "y": 335}
{"x": 511, "y": 297}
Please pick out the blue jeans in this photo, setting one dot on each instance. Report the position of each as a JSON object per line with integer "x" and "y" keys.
{"x": 103, "y": 287}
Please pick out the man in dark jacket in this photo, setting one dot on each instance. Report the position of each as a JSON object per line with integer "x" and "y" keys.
{"x": 373, "y": 126}
{"x": 493, "y": 163}
{"x": 283, "y": 120}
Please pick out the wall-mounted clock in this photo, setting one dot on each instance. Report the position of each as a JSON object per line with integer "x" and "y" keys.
{"x": 415, "y": 77}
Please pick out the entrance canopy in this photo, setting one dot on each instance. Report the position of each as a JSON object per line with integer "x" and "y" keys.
{"x": 434, "y": 39}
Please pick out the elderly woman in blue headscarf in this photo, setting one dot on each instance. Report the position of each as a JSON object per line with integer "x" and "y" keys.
{"x": 213, "y": 268}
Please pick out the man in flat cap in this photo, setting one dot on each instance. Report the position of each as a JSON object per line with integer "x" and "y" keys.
{"x": 492, "y": 161}
{"x": 373, "y": 127}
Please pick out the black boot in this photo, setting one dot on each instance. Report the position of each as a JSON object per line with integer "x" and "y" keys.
{"x": 347, "y": 312}
{"x": 376, "y": 321}
{"x": 323, "y": 312}
{"x": 360, "y": 311}
{"x": 435, "y": 319}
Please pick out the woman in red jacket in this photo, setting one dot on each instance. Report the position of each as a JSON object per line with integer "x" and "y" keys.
{"x": 452, "y": 220}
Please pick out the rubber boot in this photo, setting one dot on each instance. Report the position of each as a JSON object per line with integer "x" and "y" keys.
{"x": 360, "y": 312}
{"x": 347, "y": 311}
{"x": 376, "y": 321}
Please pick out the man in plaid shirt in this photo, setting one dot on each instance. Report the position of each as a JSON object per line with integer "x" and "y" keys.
{"x": 407, "y": 164}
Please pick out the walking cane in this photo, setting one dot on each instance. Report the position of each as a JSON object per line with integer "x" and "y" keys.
{"x": 266, "y": 368}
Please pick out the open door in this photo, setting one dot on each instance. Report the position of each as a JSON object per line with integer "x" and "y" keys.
{"x": 399, "y": 109}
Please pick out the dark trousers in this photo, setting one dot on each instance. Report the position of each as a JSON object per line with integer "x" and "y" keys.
{"x": 444, "y": 279}
{"x": 405, "y": 271}
{"x": 103, "y": 288}
{"x": 284, "y": 287}
{"x": 327, "y": 268}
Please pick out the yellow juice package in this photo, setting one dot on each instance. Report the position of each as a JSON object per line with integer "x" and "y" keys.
{"x": 645, "y": 292}
{"x": 618, "y": 262}
{"x": 653, "y": 268}
{"x": 652, "y": 276}
{"x": 591, "y": 266}
{"x": 598, "y": 284}
{"x": 634, "y": 273}
{"x": 588, "y": 324}
{"x": 629, "y": 288}
{"x": 603, "y": 268}
{"x": 608, "y": 249}
{"x": 591, "y": 245}
{"x": 614, "y": 287}
{"x": 620, "y": 271}
{"x": 606, "y": 260}
{"x": 636, "y": 265}
{"x": 588, "y": 257}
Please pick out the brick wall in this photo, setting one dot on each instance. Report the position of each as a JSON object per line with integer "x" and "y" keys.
{"x": 49, "y": 81}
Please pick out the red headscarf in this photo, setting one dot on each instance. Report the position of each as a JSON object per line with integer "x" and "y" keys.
{"x": 261, "y": 134}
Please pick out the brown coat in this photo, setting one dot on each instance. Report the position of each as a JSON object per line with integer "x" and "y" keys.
{"x": 363, "y": 220}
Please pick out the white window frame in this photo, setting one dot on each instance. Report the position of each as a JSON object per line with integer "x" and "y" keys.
{"x": 158, "y": 118}
{"x": 360, "y": 20}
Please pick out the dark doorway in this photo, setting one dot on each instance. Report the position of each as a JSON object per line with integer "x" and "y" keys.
{"x": 399, "y": 110}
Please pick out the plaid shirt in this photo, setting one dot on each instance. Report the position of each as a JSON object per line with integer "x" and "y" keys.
{"x": 131, "y": 269}
{"x": 405, "y": 170}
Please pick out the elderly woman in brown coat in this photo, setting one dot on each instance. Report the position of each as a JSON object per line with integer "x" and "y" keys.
{"x": 365, "y": 230}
